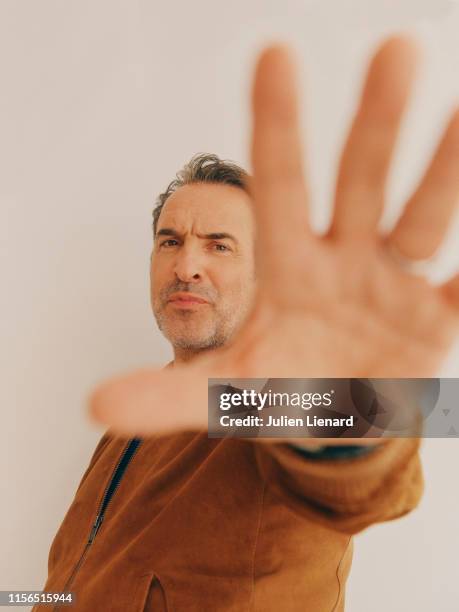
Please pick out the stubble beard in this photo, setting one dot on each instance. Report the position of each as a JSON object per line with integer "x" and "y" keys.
{"x": 183, "y": 332}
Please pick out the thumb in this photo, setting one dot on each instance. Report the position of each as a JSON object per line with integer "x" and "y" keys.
{"x": 149, "y": 401}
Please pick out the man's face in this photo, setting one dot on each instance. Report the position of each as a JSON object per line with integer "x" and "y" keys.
{"x": 204, "y": 249}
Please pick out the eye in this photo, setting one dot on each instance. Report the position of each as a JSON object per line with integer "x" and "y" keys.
{"x": 221, "y": 247}
{"x": 164, "y": 242}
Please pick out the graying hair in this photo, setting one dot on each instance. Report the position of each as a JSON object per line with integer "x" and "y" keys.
{"x": 202, "y": 168}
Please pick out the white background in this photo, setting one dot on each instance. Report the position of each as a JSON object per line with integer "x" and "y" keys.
{"x": 102, "y": 101}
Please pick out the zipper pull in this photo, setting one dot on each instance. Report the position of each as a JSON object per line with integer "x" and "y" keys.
{"x": 95, "y": 527}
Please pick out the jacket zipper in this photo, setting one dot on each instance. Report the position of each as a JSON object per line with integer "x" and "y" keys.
{"x": 113, "y": 483}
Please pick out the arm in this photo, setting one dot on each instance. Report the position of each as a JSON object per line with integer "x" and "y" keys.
{"x": 379, "y": 483}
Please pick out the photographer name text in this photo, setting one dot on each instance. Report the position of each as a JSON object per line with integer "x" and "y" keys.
{"x": 284, "y": 421}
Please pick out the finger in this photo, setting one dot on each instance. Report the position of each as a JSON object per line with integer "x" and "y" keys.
{"x": 149, "y": 402}
{"x": 278, "y": 184}
{"x": 365, "y": 161}
{"x": 153, "y": 402}
{"x": 423, "y": 225}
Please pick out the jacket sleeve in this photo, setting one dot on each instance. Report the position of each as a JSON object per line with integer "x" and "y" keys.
{"x": 346, "y": 494}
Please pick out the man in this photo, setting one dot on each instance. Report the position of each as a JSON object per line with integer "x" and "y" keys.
{"x": 178, "y": 521}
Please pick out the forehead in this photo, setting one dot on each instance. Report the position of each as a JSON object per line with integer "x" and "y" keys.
{"x": 207, "y": 207}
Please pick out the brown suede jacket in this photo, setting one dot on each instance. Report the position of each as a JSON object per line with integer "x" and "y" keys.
{"x": 192, "y": 524}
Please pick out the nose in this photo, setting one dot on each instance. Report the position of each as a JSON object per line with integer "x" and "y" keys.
{"x": 188, "y": 266}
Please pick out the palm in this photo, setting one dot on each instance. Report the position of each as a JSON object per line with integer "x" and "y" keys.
{"x": 336, "y": 305}
{"x": 360, "y": 315}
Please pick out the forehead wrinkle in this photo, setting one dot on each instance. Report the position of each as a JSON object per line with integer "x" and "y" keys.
{"x": 183, "y": 214}
{"x": 176, "y": 226}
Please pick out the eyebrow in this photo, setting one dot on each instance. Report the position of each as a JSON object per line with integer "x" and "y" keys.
{"x": 168, "y": 231}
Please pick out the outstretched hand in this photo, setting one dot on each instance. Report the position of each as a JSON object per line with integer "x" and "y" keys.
{"x": 337, "y": 305}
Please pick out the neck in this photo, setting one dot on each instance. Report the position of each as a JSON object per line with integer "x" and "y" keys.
{"x": 185, "y": 356}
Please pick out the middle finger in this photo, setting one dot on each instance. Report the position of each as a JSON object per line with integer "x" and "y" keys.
{"x": 365, "y": 161}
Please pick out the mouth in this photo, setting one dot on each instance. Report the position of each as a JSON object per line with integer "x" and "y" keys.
{"x": 186, "y": 300}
